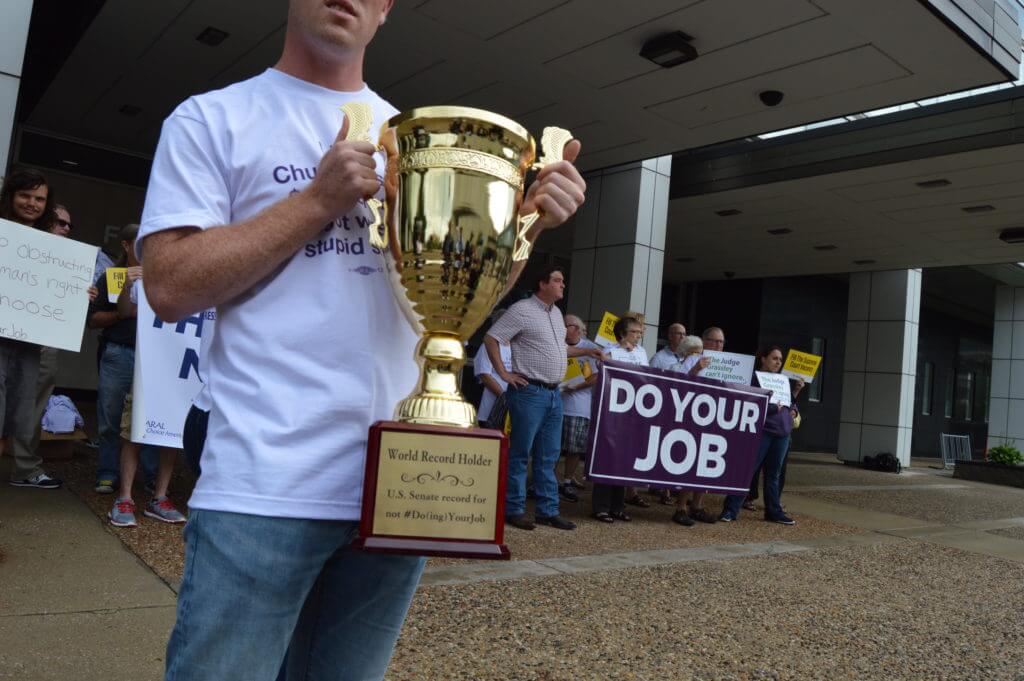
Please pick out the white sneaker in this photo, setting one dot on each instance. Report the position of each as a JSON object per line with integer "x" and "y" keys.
{"x": 40, "y": 481}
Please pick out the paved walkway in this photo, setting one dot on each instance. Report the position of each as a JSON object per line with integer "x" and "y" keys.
{"x": 74, "y": 603}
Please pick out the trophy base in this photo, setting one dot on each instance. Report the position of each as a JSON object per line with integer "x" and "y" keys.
{"x": 435, "y": 410}
{"x": 430, "y": 547}
{"x": 434, "y": 491}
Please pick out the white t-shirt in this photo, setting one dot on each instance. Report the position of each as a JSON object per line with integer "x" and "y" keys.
{"x": 665, "y": 359}
{"x": 577, "y": 402}
{"x": 635, "y": 356}
{"x": 304, "y": 361}
{"x": 687, "y": 364}
{"x": 482, "y": 365}
{"x": 202, "y": 398}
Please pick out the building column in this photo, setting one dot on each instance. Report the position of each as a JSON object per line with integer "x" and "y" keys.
{"x": 880, "y": 365}
{"x": 1006, "y": 408}
{"x": 14, "y": 22}
{"x": 619, "y": 245}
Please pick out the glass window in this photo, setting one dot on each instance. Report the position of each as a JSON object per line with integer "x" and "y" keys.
{"x": 964, "y": 406}
{"x": 947, "y": 409}
{"x": 814, "y": 390}
{"x": 927, "y": 378}
{"x": 981, "y": 395}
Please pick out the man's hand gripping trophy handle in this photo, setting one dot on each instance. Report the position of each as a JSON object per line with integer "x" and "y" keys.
{"x": 360, "y": 118}
{"x": 553, "y": 142}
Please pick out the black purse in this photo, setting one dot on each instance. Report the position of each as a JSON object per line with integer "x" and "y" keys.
{"x": 499, "y": 413}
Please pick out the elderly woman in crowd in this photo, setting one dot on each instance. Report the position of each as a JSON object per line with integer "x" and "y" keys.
{"x": 691, "y": 349}
{"x": 608, "y": 500}
{"x": 774, "y": 444}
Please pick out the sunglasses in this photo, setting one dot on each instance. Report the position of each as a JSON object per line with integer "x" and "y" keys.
{"x": 63, "y": 223}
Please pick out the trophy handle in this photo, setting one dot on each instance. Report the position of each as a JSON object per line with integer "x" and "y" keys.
{"x": 378, "y": 236}
{"x": 360, "y": 119}
{"x": 553, "y": 141}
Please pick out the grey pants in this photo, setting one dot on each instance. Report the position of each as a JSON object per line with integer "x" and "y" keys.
{"x": 19, "y": 374}
{"x": 26, "y": 453}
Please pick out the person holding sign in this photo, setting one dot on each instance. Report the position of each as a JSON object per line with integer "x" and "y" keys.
{"x": 47, "y": 381}
{"x": 25, "y": 199}
{"x": 608, "y": 500}
{"x": 159, "y": 507}
{"x": 117, "y": 369}
{"x": 690, "y": 505}
{"x": 774, "y": 443}
{"x": 672, "y": 353}
{"x": 576, "y": 394}
{"x": 693, "y": 362}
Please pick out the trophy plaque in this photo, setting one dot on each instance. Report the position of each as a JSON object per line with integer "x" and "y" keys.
{"x": 451, "y": 237}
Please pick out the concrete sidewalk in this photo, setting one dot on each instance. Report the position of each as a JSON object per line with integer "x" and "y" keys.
{"x": 74, "y": 602}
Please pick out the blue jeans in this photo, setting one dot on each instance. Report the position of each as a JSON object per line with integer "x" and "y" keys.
{"x": 256, "y": 587}
{"x": 771, "y": 453}
{"x": 117, "y": 368}
{"x": 536, "y": 416}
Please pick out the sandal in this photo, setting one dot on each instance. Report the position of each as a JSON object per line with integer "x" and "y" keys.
{"x": 621, "y": 515}
{"x": 637, "y": 500}
{"x": 703, "y": 516}
{"x": 603, "y": 517}
{"x": 665, "y": 498}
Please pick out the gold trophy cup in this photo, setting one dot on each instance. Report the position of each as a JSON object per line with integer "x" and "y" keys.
{"x": 450, "y": 234}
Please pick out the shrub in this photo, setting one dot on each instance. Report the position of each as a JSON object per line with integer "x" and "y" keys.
{"x": 1006, "y": 454}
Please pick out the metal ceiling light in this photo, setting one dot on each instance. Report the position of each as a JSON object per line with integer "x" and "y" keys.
{"x": 212, "y": 36}
{"x": 978, "y": 209}
{"x": 669, "y": 49}
{"x": 932, "y": 184}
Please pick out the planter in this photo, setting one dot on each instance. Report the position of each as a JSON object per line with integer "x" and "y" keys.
{"x": 986, "y": 471}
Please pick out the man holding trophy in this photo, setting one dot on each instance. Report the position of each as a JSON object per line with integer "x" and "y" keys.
{"x": 264, "y": 202}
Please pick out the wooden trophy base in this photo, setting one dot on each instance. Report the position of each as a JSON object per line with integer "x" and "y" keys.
{"x": 434, "y": 491}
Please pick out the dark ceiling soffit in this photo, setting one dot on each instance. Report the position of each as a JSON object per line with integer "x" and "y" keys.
{"x": 42, "y": 151}
{"x": 54, "y": 30}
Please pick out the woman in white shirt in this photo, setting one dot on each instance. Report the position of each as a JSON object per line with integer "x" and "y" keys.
{"x": 608, "y": 503}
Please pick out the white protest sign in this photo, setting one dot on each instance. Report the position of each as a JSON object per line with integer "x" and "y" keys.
{"x": 167, "y": 374}
{"x": 778, "y": 384}
{"x": 44, "y": 282}
{"x": 729, "y": 367}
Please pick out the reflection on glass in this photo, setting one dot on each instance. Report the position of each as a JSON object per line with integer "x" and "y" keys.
{"x": 927, "y": 379}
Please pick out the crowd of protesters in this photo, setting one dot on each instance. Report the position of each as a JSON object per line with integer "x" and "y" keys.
{"x": 28, "y": 372}
{"x": 521, "y": 365}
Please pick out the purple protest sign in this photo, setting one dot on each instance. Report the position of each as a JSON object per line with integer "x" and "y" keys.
{"x": 661, "y": 428}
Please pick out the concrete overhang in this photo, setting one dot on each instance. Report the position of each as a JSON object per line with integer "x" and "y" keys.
{"x": 573, "y": 63}
{"x": 928, "y": 188}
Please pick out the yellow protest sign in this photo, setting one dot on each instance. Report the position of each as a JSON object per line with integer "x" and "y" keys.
{"x": 606, "y": 334}
{"x": 115, "y": 282}
{"x": 801, "y": 365}
{"x": 577, "y": 370}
